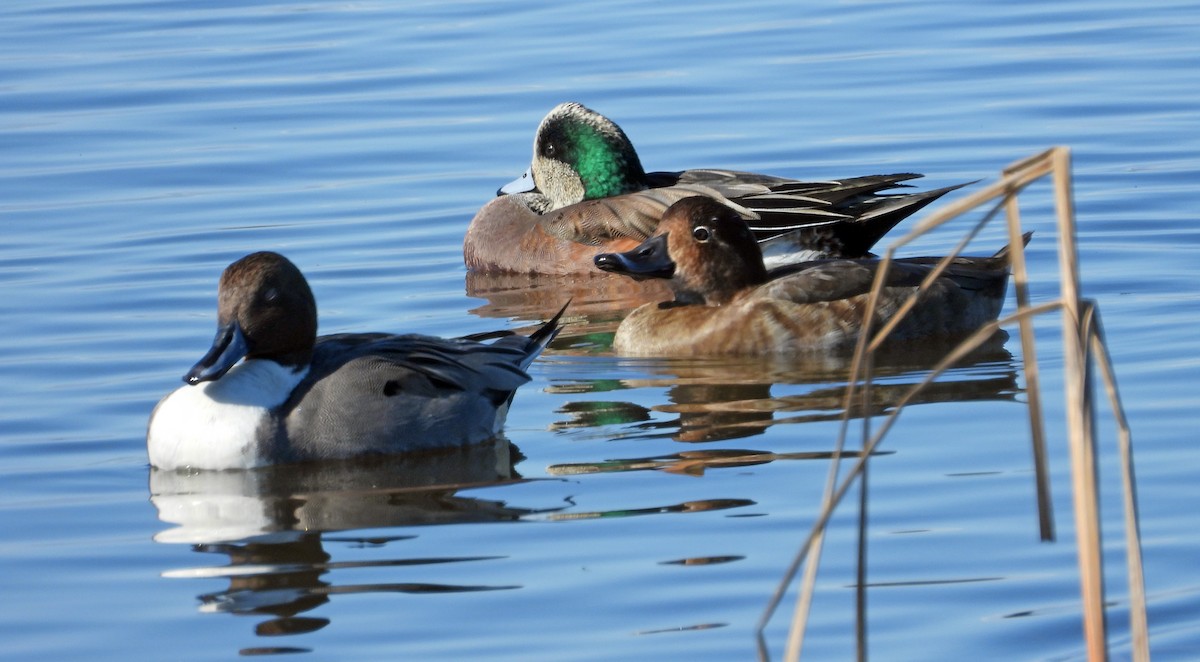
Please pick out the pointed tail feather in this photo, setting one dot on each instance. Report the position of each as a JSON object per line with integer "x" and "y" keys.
{"x": 1003, "y": 253}
{"x": 541, "y": 338}
{"x": 531, "y": 346}
{"x": 845, "y": 218}
{"x": 882, "y": 213}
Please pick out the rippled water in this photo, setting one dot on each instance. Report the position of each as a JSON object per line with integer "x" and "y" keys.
{"x": 644, "y": 509}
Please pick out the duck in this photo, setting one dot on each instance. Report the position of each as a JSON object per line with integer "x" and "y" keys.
{"x": 270, "y": 391}
{"x": 586, "y": 193}
{"x": 727, "y": 302}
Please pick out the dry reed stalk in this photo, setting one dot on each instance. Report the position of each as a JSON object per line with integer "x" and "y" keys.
{"x": 1080, "y": 330}
{"x": 860, "y": 584}
{"x": 1080, "y": 419}
{"x": 1138, "y": 627}
{"x": 1037, "y": 428}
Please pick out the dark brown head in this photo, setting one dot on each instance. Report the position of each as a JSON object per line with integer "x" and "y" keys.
{"x": 704, "y": 247}
{"x": 265, "y": 310}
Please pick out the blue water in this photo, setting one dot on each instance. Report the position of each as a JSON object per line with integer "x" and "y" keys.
{"x": 148, "y": 144}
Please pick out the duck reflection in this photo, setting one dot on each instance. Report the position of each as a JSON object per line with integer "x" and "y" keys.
{"x": 736, "y": 398}
{"x": 694, "y": 463}
{"x": 281, "y": 527}
{"x": 271, "y": 522}
{"x": 403, "y": 490}
{"x": 598, "y": 302}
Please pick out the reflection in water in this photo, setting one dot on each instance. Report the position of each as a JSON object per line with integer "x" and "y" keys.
{"x": 722, "y": 398}
{"x": 269, "y": 523}
{"x": 685, "y": 507}
{"x": 599, "y": 296}
{"x": 704, "y": 560}
{"x": 598, "y": 303}
{"x": 407, "y": 490}
{"x": 273, "y": 525}
{"x": 596, "y": 413}
{"x": 693, "y": 463}
{"x": 730, "y": 398}
{"x": 686, "y": 628}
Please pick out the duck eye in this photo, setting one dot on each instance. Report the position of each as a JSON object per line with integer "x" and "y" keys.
{"x": 701, "y": 233}
{"x": 549, "y": 149}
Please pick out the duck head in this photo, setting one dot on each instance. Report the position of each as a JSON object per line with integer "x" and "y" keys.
{"x": 265, "y": 310}
{"x": 579, "y": 154}
{"x": 703, "y": 246}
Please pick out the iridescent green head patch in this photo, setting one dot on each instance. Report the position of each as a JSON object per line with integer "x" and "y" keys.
{"x": 594, "y": 148}
{"x": 602, "y": 167}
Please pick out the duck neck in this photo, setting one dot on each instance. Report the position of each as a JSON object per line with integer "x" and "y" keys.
{"x": 719, "y": 289}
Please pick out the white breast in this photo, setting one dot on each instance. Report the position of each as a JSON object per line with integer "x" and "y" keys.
{"x": 217, "y": 425}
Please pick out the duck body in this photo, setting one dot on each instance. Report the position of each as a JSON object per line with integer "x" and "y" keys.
{"x": 269, "y": 392}
{"x": 725, "y": 304}
{"x": 587, "y": 193}
{"x": 784, "y": 316}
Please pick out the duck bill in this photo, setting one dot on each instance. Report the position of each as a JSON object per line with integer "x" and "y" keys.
{"x": 648, "y": 260}
{"x": 522, "y": 184}
{"x": 228, "y": 347}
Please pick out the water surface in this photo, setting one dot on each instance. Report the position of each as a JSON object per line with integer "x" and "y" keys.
{"x": 637, "y": 509}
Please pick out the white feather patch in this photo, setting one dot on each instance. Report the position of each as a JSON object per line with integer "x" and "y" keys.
{"x": 215, "y": 425}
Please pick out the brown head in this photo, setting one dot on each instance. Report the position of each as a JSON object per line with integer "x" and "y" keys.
{"x": 265, "y": 310}
{"x": 703, "y": 246}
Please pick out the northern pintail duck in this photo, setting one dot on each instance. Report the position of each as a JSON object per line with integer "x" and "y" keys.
{"x": 586, "y": 193}
{"x": 726, "y": 302}
{"x": 297, "y": 397}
